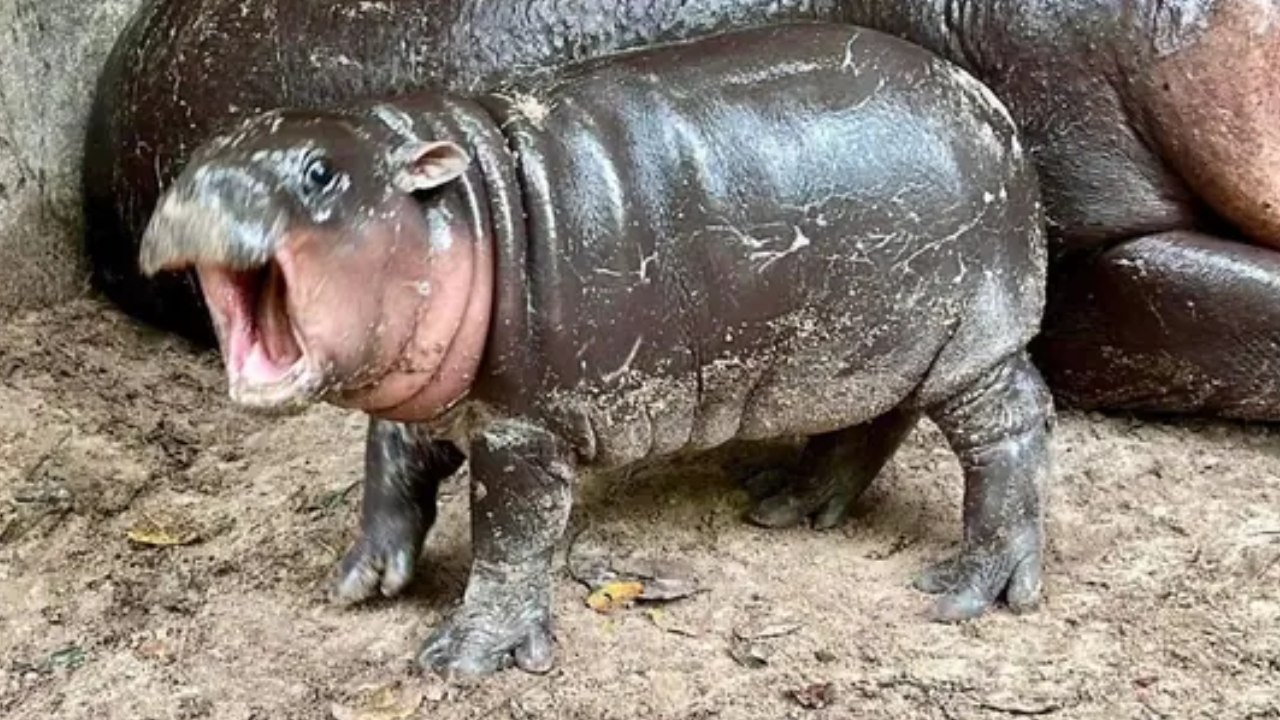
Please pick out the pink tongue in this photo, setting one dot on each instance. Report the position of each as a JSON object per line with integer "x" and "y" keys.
{"x": 259, "y": 368}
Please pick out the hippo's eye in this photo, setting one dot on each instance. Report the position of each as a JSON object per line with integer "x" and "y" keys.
{"x": 320, "y": 173}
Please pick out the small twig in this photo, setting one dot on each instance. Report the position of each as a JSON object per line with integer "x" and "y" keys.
{"x": 568, "y": 554}
{"x": 346, "y": 491}
{"x": 1267, "y": 568}
{"x": 47, "y": 455}
{"x": 1021, "y": 711}
{"x": 1147, "y": 706}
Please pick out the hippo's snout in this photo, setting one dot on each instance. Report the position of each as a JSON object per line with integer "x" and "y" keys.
{"x": 214, "y": 214}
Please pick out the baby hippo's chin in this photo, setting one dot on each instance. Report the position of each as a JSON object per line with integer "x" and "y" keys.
{"x": 269, "y": 385}
{"x": 266, "y": 387}
{"x": 402, "y": 397}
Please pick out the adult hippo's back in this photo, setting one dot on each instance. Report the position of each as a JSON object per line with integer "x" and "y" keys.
{"x": 1154, "y": 137}
{"x": 184, "y": 69}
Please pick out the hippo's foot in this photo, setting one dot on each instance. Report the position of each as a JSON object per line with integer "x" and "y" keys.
{"x": 977, "y": 576}
{"x": 403, "y": 472}
{"x": 521, "y": 494}
{"x": 999, "y": 427}
{"x": 1173, "y": 323}
{"x": 506, "y": 616}
{"x": 382, "y": 562}
{"x": 830, "y": 475}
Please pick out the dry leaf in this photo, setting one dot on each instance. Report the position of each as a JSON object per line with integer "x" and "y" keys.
{"x": 154, "y": 649}
{"x": 748, "y": 654}
{"x": 614, "y": 585}
{"x": 814, "y": 697}
{"x": 387, "y": 702}
{"x": 71, "y": 656}
{"x": 663, "y": 579}
{"x": 163, "y": 529}
{"x": 768, "y": 631}
{"x": 613, "y": 595}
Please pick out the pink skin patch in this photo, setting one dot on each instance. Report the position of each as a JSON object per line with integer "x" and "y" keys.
{"x": 388, "y": 322}
{"x": 265, "y": 362}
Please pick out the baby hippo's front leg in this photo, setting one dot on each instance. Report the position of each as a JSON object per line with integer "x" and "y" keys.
{"x": 521, "y": 494}
{"x": 403, "y": 469}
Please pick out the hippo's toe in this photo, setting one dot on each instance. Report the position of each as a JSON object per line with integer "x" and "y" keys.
{"x": 382, "y": 563}
{"x": 827, "y": 502}
{"x": 973, "y": 579}
{"x": 483, "y": 640}
{"x": 831, "y": 474}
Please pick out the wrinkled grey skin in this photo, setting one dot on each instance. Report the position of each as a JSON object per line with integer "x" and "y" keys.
{"x": 920, "y": 284}
{"x": 674, "y": 270}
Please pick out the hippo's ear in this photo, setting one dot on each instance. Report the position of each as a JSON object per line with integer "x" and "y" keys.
{"x": 424, "y": 165}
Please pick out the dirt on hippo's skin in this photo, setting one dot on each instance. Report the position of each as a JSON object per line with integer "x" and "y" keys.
{"x": 163, "y": 555}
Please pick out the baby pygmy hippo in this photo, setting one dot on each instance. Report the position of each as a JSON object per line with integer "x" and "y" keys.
{"x": 801, "y": 230}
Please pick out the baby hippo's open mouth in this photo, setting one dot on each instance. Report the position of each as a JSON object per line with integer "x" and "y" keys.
{"x": 267, "y": 365}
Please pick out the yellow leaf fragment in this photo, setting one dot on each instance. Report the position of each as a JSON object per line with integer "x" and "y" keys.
{"x": 613, "y": 595}
{"x": 388, "y": 702}
{"x": 163, "y": 530}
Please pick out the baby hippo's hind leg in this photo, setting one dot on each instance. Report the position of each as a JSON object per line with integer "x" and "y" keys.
{"x": 830, "y": 475}
{"x": 403, "y": 471}
{"x": 999, "y": 427}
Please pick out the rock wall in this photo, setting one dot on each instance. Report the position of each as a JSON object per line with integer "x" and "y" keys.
{"x": 50, "y": 54}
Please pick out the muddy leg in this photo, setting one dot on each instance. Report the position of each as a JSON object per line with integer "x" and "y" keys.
{"x": 521, "y": 494}
{"x": 1172, "y": 323}
{"x": 999, "y": 428}
{"x": 831, "y": 474}
{"x": 402, "y": 475}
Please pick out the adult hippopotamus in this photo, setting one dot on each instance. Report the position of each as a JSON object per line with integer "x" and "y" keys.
{"x": 1151, "y": 123}
{"x": 797, "y": 230}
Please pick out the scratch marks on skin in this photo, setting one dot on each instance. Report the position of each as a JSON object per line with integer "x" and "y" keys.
{"x": 642, "y": 273}
{"x": 847, "y": 63}
{"x": 625, "y": 368}
{"x": 396, "y": 120}
{"x": 759, "y": 247}
{"x": 1139, "y": 269}
{"x": 800, "y": 242}
{"x": 850, "y": 64}
{"x": 988, "y": 199}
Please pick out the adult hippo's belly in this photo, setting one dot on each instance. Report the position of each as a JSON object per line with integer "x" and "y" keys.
{"x": 1151, "y": 124}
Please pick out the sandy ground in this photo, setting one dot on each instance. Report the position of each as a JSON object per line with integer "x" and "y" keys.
{"x": 1162, "y": 597}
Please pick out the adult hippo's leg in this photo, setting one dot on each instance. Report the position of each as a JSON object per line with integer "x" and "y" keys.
{"x": 831, "y": 474}
{"x": 403, "y": 471}
{"x": 1171, "y": 323}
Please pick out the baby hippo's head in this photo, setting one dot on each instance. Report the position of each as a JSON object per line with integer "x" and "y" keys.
{"x": 326, "y": 276}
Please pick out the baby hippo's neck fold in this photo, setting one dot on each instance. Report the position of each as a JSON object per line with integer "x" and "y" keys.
{"x": 484, "y": 209}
